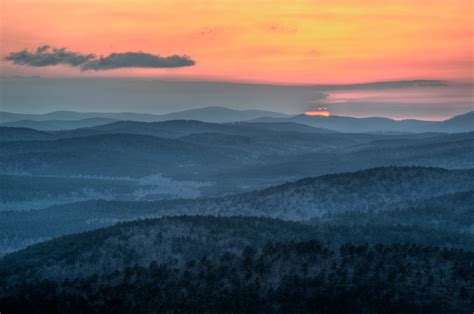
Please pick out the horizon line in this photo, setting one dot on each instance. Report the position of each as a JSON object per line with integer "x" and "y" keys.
{"x": 224, "y": 107}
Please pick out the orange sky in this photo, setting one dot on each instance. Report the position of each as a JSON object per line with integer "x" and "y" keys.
{"x": 268, "y": 41}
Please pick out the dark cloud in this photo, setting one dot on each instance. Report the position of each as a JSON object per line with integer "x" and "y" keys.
{"x": 137, "y": 60}
{"x": 47, "y": 56}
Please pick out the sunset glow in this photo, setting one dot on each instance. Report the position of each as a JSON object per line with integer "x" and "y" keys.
{"x": 282, "y": 41}
{"x": 317, "y": 113}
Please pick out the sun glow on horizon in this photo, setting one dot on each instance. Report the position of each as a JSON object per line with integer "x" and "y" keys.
{"x": 320, "y": 112}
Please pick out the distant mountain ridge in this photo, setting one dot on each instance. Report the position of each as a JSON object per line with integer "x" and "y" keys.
{"x": 206, "y": 114}
{"x": 177, "y": 128}
{"x": 165, "y": 129}
{"x": 220, "y": 114}
{"x": 64, "y": 120}
{"x": 456, "y": 124}
{"x": 459, "y": 123}
{"x": 55, "y": 125}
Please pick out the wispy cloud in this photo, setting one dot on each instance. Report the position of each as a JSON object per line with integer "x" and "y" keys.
{"x": 48, "y": 56}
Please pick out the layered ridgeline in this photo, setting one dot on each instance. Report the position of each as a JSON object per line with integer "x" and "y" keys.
{"x": 220, "y": 158}
{"x": 193, "y": 216}
{"x": 169, "y": 129}
{"x": 456, "y": 124}
{"x": 64, "y": 120}
{"x": 207, "y": 114}
{"x": 414, "y": 197}
{"x": 54, "y": 125}
{"x": 233, "y": 264}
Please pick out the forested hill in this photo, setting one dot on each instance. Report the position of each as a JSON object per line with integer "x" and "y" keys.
{"x": 432, "y": 198}
{"x": 234, "y": 158}
{"x": 451, "y": 212}
{"x": 368, "y": 190}
{"x": 236, "y": 264}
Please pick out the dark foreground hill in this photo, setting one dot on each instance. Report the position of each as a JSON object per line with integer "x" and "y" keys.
{"x": 234, "y": 264}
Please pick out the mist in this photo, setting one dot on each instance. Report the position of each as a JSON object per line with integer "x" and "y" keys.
{"x": 434, "y": 100}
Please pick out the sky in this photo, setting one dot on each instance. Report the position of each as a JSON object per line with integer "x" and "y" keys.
{"x": 250, "y": 41}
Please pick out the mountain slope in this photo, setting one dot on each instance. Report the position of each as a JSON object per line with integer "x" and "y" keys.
{"x": 166, "y": 129}
{"x": 451, "y": 212}
{"x": 206, "y": 114}
{"x": 54, "y": 125}
{"x": 178, "y": 128}
{"x": 220, "y": 115}
{"x": 373, "y": 189}
{"x": 360, "y": 193}
{"x": 208, "y": 264}
{"x": 108, "y": 155}
{"x": 234, "y": 157}
{"x": 73, "y": 115}
{"x": 461, "y": 123}
{"x": 153, "y": 239}
{"x": 11, "y": 134}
